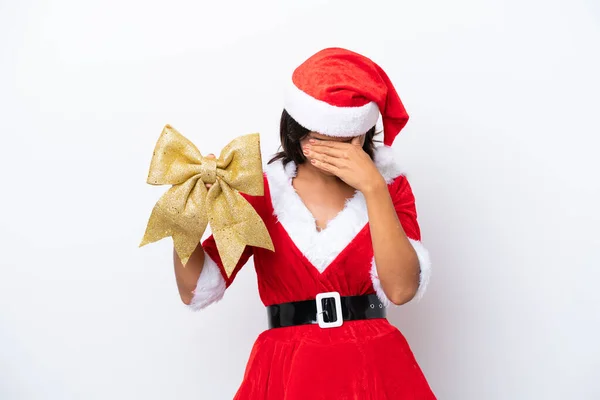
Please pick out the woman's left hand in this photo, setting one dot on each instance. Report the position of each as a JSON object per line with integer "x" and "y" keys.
{"x": 348, "y": 161}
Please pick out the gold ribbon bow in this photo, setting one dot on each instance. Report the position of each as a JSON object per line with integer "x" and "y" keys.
{"x": 185, "y": 209}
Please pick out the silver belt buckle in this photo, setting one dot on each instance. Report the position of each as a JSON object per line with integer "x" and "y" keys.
{"x": 338, "y": 308}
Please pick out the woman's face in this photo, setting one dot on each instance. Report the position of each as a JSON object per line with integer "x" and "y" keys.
{"x": 318, "y": 136}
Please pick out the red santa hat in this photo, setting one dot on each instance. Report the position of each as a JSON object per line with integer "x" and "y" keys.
{"x": 338, "y": 92}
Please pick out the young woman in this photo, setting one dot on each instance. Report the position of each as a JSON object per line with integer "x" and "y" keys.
{"x": 343, "y": 222}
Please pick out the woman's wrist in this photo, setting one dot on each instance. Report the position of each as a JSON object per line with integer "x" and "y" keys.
{"x": 374, "y": 187}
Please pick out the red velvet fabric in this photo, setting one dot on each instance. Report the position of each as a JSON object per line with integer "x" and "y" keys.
{"x": 368, "y": 359}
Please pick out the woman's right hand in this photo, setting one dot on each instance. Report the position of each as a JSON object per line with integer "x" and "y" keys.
{"x": 211, "y": 156}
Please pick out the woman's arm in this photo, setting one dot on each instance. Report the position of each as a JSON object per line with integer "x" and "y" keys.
{"x": 187, "y": 277}
{"x": 203, "y": 280}
{"x": 395, "y": 258}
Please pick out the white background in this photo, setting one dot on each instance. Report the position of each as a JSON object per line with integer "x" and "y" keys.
{"x": 501, "y": 150}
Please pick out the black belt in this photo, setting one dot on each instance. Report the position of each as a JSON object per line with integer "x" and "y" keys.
{"x": 325, "y": 310}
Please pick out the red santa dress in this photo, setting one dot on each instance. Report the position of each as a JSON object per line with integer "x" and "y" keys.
{"x": 362, "y": 359}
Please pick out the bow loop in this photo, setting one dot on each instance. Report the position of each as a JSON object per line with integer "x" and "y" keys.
{"x": 184, "y": 211}
{"x": 175, "y": 159}
{"x": 237, "y": 158}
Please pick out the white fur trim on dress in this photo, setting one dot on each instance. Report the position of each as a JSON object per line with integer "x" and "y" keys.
{"x": 210, "y": 286}
{"x": 321, "y": 117}
{"x": 321, "y": 247}
{"x": 425, "y": 274}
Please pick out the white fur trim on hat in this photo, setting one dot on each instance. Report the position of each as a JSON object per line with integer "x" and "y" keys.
{"x": 210, "y": 286}
{"x": 324, "y": 118}
{"x": 424, "y": 276}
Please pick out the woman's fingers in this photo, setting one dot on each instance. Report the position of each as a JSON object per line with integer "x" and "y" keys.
{"x": 329, "y": 151}
{"x": 327, "y": 143}
{"x": 325, "y": 166}
{"x": 328, "y": 159}
{"x": 337, "y": 156}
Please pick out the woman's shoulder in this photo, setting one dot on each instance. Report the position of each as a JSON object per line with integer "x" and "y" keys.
{"x": 388, "y": 164}
{"x": 260, "y": 203}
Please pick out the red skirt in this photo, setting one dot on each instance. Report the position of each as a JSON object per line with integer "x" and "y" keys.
{"x": 361, "y": 360}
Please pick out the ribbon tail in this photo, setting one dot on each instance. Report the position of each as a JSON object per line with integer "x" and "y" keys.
{"x": 185, "y": 245}
{"x": 231, "y": 255}
{"x": 179, "y": 214}
{"x": 236, "y": 226}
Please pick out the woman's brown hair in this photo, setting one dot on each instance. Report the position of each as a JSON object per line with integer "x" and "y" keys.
{"x": 291, "y": 133}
